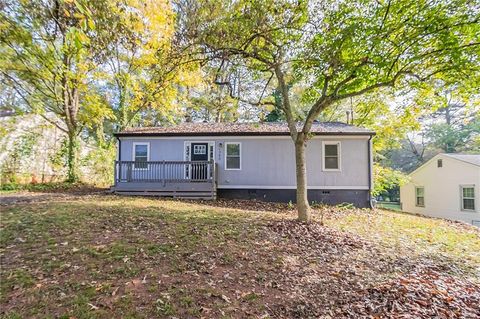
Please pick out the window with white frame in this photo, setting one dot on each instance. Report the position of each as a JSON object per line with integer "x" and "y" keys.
{"x": 141, "y": 155}
{"x": 419, "y": 196}
{"x": 331, "y": 156}
{"x": 233, "y": 156}
{"x": 467, "y": 193}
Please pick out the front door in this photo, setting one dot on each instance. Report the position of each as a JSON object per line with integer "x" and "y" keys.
{"x": 199, "y": 154}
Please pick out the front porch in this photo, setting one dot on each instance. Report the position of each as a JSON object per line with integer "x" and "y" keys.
{"x": 178, "y": 179}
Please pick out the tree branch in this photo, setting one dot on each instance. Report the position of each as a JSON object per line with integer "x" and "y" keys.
{"x": 286, "y": 106}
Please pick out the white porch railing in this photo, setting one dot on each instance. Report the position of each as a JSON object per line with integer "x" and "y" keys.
{"x": 164, "y": 171}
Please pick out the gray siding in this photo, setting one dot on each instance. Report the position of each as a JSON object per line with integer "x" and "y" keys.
{"x": 269, "y": 162}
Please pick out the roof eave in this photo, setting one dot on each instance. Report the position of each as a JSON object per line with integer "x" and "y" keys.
{"x": 151, "y": 134}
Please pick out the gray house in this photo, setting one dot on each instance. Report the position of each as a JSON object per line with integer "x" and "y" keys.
{"x": 244, "y": 160}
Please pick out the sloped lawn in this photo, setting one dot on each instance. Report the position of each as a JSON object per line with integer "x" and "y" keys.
{"x": 118, "y": 257}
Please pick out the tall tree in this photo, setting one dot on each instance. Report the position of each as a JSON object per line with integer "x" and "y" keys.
{"x": 454, "y": 120}
{"x": 48, "y": 54}
{"x": 146, "y": 69}
{"x": 98, "y": 65}
{"x": 322, "y": 52}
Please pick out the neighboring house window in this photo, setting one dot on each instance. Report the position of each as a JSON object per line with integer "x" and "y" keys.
{"x": 439, "y": 163}
{"x": 141, "y": 155}
{"x": 232, "y": 156}
{"x": 420, "y": 196}
{"x": 331, "y": 156}
{"x": 468, "y": 197}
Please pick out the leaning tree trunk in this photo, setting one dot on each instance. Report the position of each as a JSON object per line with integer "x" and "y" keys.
{"x": 303, "y": 208}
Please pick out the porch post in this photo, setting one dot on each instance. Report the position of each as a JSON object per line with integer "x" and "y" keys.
{"x": 115, "y": 173}
{"x": 119, "y": 159}
{"x": 163, "y": 174}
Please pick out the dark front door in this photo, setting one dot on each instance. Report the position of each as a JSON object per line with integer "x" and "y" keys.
{"x": 199, "y": 154}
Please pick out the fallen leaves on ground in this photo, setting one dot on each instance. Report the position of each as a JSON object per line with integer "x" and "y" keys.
{"x": 111, "y": 257}
{"x": 325, "y": 280}
{"x": 423, "y": 293}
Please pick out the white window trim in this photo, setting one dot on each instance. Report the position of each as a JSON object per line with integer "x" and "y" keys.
{"x": 415, "y": 196}
{"x": 339, "y": 154}
{"x": 474, "y": 198}
{"x": 240, "y": 156}
{"x": 133, "y": 154}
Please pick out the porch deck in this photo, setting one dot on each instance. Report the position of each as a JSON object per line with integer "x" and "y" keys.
{"x": 178, "y": 179}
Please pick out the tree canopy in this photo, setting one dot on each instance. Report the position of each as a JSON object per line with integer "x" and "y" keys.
{"x": 319, "y": 53}
{"x": 91, "y": 62}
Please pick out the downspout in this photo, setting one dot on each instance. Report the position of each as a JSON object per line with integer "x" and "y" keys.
{"x": 370, "y": 173}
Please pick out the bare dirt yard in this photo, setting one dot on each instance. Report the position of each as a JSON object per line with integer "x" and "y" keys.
{"x": 102, "y": 256}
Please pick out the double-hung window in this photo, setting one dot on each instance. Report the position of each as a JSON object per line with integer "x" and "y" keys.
{"x": 331, "y": 156}
{"x": 233, "y": 156}
{"x": 141, "y": 155}
{"x": 419, "y": 196}
{"x": 467, "y": 194}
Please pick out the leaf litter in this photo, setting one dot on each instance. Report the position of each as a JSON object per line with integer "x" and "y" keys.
{"x": 156, "y": 258}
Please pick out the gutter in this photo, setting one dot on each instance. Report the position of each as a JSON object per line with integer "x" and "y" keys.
{"x": 370, "y": 173}
{"x": 206, "y": 134}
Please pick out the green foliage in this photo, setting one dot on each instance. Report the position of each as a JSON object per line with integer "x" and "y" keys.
{"x": 380, "y": 112}
{"x": 49, "y": 53}
{"x": 147, "y": 75}
{"x": 59, "y": 158}
{"x": 453, "y": 123}
{"x": 109, "y": 64}
{"x": 276, "y": 114}
{"x": 328, "y": 52}
{"x": 387, "y": 179}
{"x": 209, "y": 102}
{"x": 453, "y": 140}
{"x": 320, "y": 53}
{"x": 23, "y": 146}
{"x": 41, "y": 187}
{"x": 100, "y": 162}
{"x": 10, "y": 187}
{"x": 19, "y": 154}
{"x": 95, "y": 65}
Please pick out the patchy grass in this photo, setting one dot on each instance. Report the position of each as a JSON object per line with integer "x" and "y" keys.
{"x": 10, "y": 188}
{"x": 112, "y": 257}
{"x": 416, "y": 235}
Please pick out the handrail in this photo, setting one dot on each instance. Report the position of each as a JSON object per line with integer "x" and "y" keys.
{"x": 168, "y": 162}
{"x": 165, "y": 171}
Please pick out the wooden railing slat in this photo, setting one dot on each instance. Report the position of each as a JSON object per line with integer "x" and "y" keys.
{"x": 165, "y": 171}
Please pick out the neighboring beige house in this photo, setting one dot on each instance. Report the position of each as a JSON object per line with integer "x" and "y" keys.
{"x": 447, "y": 186}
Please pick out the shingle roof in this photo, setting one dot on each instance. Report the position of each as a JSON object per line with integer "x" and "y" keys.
{"x": 469, "y": 158}
{"x": 226, "y": 129}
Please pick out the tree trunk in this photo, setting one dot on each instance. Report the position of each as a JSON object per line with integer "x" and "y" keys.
{"x": 72, "y": 158}
{"x": 303, "y": 208}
